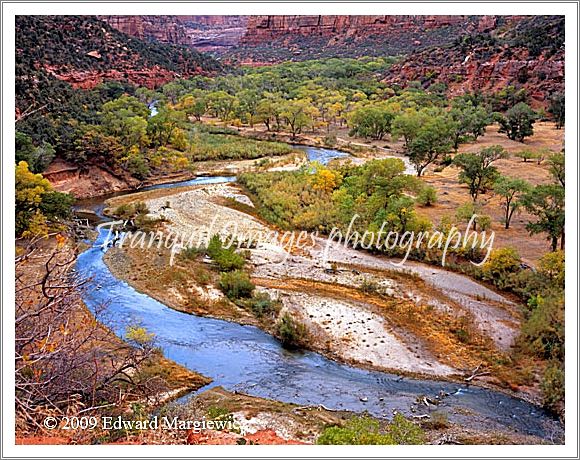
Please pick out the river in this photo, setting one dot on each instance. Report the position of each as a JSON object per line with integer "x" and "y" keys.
{"x": 246, "y": 359}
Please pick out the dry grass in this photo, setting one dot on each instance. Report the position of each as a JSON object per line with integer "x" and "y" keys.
{"x": 452, "y": 194}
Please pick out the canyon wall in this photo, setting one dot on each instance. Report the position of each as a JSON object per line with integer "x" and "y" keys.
{"x": 205, "y": 33}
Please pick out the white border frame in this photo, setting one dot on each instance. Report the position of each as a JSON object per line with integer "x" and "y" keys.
{"x": 569, "y": 9}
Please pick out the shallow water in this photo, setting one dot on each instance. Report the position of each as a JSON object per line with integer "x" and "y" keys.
{"x": 246, "y": 359}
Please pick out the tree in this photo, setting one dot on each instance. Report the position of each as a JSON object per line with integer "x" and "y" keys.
{"x": 527, "y": 154}
{"x": 194, "y": 105}
{"x": 433, "y": 139}
{"x": 558, "y": 109}
{"x": 408, "y": 125}
{"x": 248, "y": 108}
{"x": 222, "y": 105}
{"x": 477, "y": 170}
{"x": 470, "y": 121}
{"x": 511, "y": 191}
{"x": 298, "y": 114}
{"x": 161, "y": 127}
{"x": 558, "y": 168}
{"x": 518, "y": 122}
{"x": 37, "y": 204}
{"x": 126, "y": 119}
{"x": 371, "y": 121}
{"x": 269, "y": 112}
{"x": 37, "y": 158}
{"x": 546, "y": 203}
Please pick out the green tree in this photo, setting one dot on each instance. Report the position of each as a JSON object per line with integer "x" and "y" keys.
{"x": 477, "y": 170}
{"x": 511, "y": 191}
{"x": 408, "y": 124}
{"x": 470, "y": 121}
{"x": 433, "y": 139}
{"x": 527, "y": 154}
{"x": 126, "y": 119}
{"x": 298, "y": 115}
{"x": 194, "y": 105}
{"x": 558, "y": 168}
{"x": 163, "y": 125}
{"x": 546, "y": 203}
{"x": 222, "y": 105}
{"x": 518, "y": 122}
{"x": 38, "y": 158}
{"x": 371, "y": 121}
{"x": 558, "y": 109}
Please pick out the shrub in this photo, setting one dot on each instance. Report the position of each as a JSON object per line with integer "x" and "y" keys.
{"x": 225, "y": 258}
{"x": 261, "y": 304}
{"x": 500, "y": 265}
{"x": 190, "y": 253}
{"x": 484, "y": 221}
{"x": 404, "y": 431}
{"x": 552, "y": 386}
{"x": 236, "y": 285}
{"x": 552, "y": 266}
{"x": 292, "y": 333}
{"x": 364, "y": 430}
{"x": 357, "y": 431}
{"x": 439, "y": 420}
{"x": 427, "y": 196}
{"x": 543, "y": 333}
{"x": 369, "y": 286}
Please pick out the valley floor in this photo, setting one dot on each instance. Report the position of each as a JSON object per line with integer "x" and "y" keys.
{"x": 408, "y": 323}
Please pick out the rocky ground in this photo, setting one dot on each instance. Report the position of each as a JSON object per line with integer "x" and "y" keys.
{"x": 358, "y": 308}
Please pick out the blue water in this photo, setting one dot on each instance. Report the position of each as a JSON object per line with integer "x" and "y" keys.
{"x": 246, "y": 359}
{"x": 321, "y": 155}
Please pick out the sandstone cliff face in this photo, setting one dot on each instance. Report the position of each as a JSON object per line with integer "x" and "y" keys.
{"x": 165, "y": 29}
{"x": 205, "y": 33}
{"x": 264, "y": 28}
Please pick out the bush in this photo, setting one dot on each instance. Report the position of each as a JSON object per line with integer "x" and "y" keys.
{"x": 543, "y": 333}
{"x": 358, "y": 431}
{"x": 292, "y": 334}
{"x": 427, "y": 196}
{"x": 191, "y": 253}
{"x": 500, "y": 265}
{"x": 552, "y": 385}
{"x": 225, "y": 258}
{"x": 404, "y": 431}
{"x": 261, "y": 304}
{"x": 364, "y": 430}
{"x": 552, "y": 266}
{"x": 484, "y": 221}
{"x": 236, "y": 285}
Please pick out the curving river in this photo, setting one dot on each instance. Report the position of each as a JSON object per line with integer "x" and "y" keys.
{"x": 248, "y": 360}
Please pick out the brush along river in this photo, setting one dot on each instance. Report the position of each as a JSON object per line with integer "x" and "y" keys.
{"x": 246, "y": 359}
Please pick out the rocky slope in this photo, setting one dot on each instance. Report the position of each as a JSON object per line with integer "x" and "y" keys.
{"x": 530, "y": 55}
{"x": 83, "y": 51}
{"x": 273, "y": 38}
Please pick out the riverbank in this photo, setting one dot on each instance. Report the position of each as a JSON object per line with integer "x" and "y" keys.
{"x": 368, "y": 311}
{"x": 124, "y": 377}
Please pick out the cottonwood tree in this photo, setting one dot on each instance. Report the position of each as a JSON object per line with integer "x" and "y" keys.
{"x": 511, "y": 191}
{"x": 518, "y": 122}
{"x": 558, "y": 168}
{"x": 433, "y": 139}
{"x": 558, "y": 109}
{"x": 298, "y": 115}
{"x": 546, "y": 203}
{"x": 470, "y": 121}
{"x": 371, "y": 121}
{"x": 477, "y": 170}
